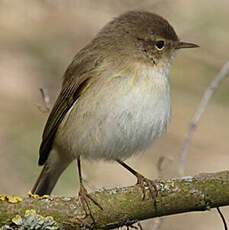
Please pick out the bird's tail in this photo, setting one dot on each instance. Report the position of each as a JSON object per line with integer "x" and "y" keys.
{"x": 49, "y": 176}
{"x": 44, "y": 183}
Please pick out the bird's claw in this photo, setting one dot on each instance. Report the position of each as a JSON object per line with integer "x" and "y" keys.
{"x": 85, "y": 199}
{"x": 147, "y": 184}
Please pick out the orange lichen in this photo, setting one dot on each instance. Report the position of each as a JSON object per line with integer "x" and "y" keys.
{"x": 35, "y": 196}
{"x": 2, "y": 197}
{"x": 10, "y": 199}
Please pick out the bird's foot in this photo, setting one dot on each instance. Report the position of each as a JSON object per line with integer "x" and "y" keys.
{"x": 85, "y": 199}
{"x": 147, "y": 185}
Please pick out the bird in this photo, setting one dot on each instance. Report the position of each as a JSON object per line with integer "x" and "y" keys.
{"x": 114, "y": 100}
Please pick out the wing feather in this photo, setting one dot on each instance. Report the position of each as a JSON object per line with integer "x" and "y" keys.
{"x": 75, "y": 79}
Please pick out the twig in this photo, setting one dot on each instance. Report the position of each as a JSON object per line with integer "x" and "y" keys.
{"x": 160, "y": 163}
{"x": 139, "y": 226}
{"x": 46, "y": 106}
{"x": 209, "y": 92}
{"x": 222, "y": 218}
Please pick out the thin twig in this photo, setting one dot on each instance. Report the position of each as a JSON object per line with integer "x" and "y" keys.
{"x": 160, "y": 164}
{"x": 139, "y": 226}
{"x": 46, "y": 105}
{"x": 209, "y": 92}
{"x": 223, "y": 219}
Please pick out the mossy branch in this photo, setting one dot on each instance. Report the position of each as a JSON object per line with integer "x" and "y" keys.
{"x": 123, "y": 206}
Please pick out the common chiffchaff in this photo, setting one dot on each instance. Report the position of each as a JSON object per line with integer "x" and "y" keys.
{"x": 114, "y": 100}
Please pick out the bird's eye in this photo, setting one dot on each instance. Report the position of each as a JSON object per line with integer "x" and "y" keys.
{"x": 160, "y": 44}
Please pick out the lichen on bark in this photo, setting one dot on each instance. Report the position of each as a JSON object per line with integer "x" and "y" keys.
{"x": 122, "y": 206}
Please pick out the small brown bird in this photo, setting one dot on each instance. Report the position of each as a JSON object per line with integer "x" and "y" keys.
{"x": 114, "y": 100}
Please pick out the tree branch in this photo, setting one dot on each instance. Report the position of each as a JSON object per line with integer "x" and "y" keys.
{"x": 123, "y": 206}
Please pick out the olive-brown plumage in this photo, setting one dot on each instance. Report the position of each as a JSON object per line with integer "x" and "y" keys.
{"x": 114, "y": 99}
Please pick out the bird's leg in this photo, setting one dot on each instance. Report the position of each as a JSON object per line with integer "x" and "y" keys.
{"x": 144, "y": 183}
{"x": 84, "y": 196}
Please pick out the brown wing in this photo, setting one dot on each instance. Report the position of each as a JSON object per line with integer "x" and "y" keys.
{"x": 75, "y": 79}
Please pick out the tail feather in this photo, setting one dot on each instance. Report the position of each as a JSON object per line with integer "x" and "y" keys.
{"x": 50, "y": 174}
{"x": 45, "y": 182}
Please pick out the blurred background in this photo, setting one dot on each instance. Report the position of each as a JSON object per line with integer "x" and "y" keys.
{"x": 38, "y": 40}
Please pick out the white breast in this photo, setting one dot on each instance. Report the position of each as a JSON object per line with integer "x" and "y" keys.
{"x": 117, "y": 117}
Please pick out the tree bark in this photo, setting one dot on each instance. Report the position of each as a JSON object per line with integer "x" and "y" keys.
{"x": 123, "y": 206}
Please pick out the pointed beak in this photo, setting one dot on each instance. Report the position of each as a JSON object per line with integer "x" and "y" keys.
{"x": 181, "y": 45}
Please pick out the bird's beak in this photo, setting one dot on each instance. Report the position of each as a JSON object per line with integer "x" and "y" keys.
{"x": 181, "y": 45}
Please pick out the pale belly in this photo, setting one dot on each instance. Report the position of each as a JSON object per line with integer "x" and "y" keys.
{"x": 115, "y": 121}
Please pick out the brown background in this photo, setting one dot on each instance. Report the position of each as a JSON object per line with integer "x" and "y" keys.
{"x": 38, "y": 40}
